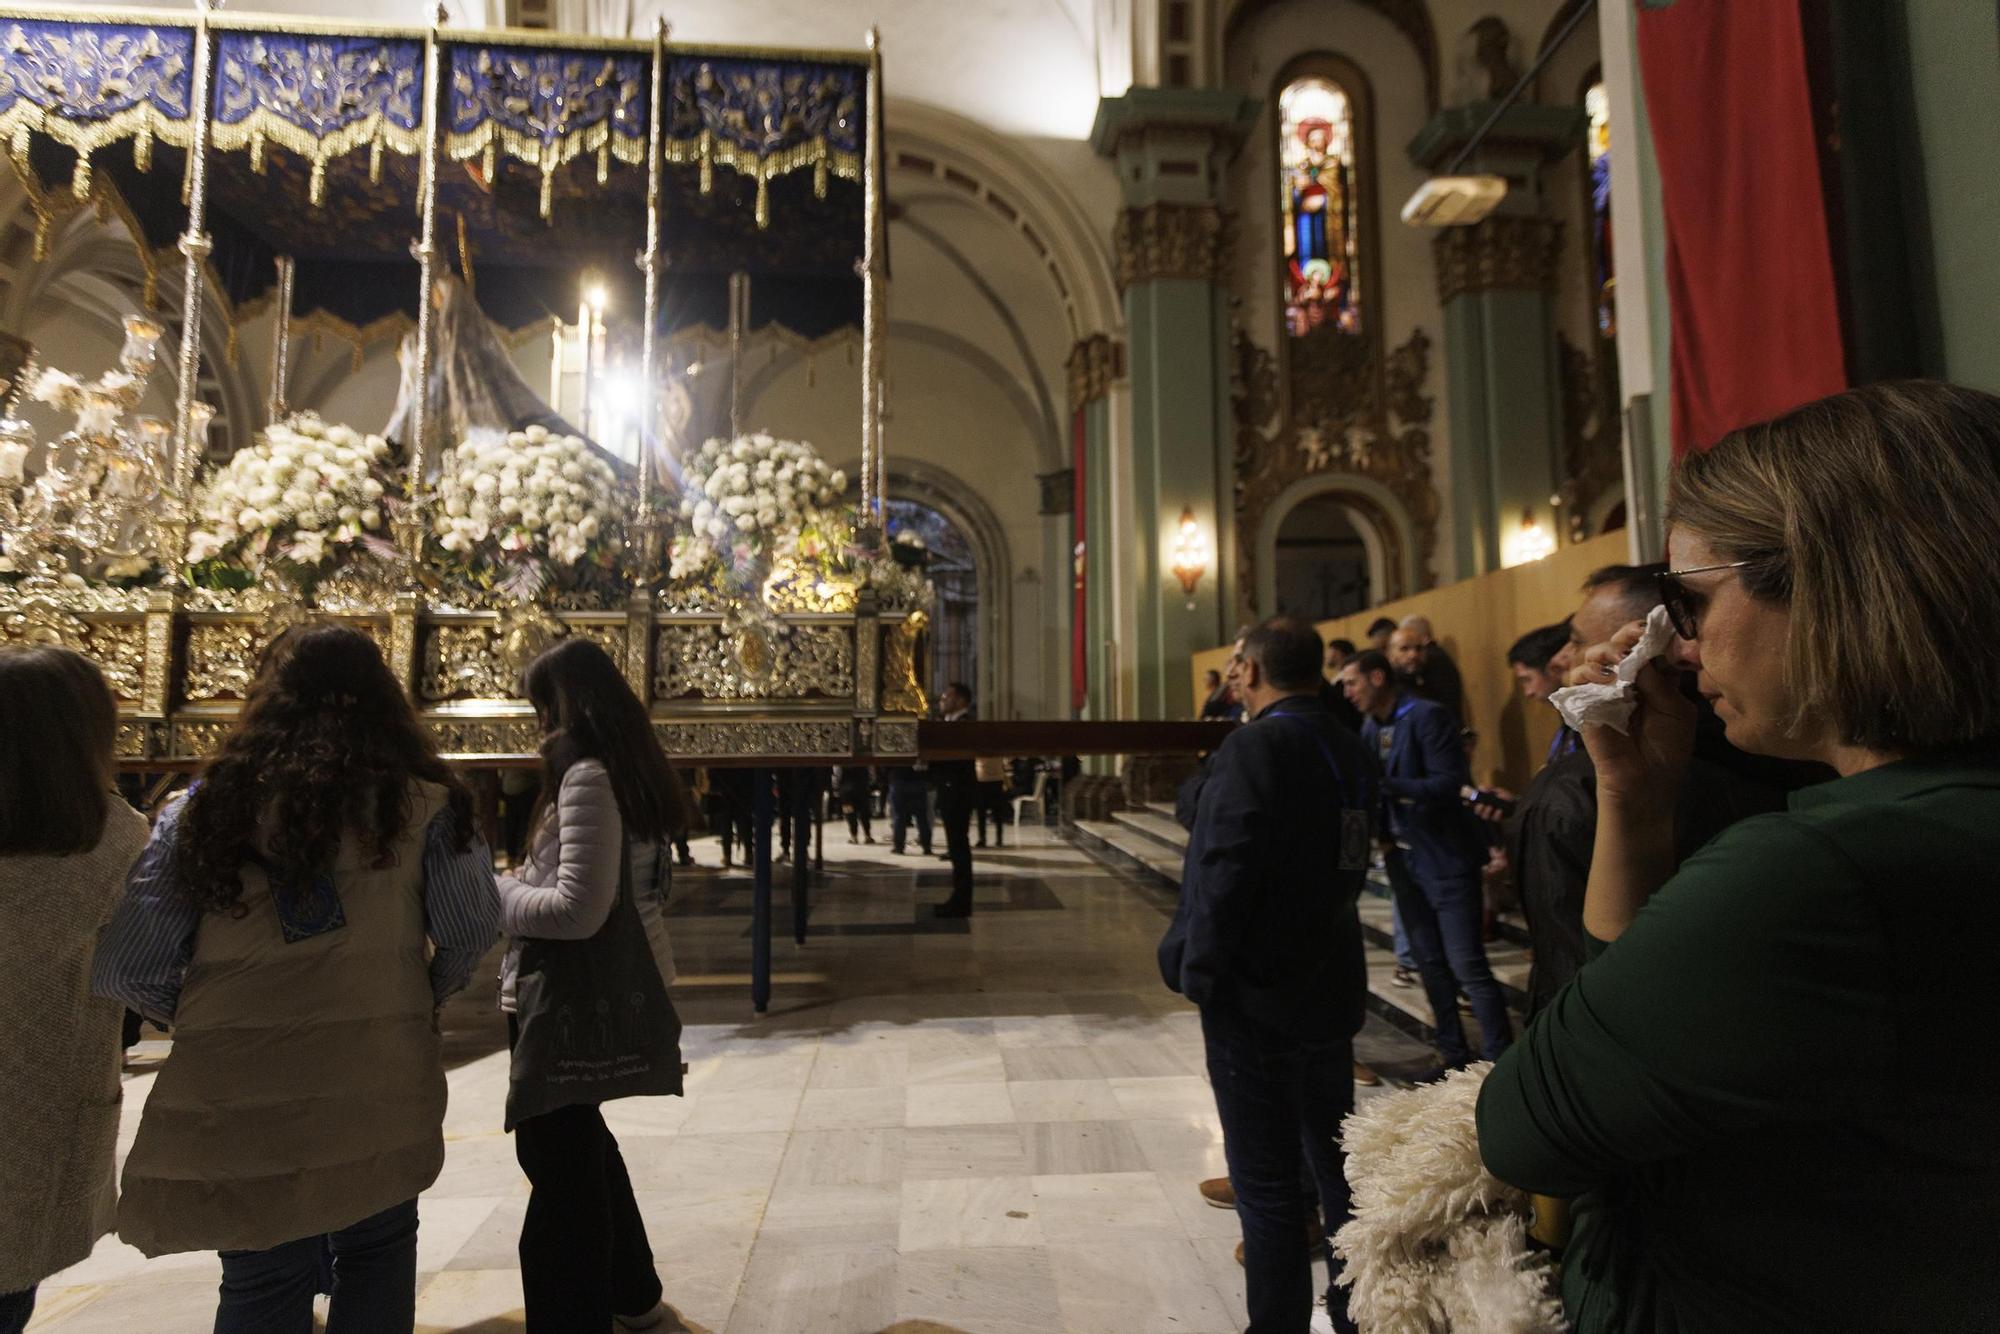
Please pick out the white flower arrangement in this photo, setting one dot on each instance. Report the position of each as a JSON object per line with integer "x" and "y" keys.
{"x": 305, "y": 491}
{"x": 757, "y": 498}
{"x": 532, "y": 494}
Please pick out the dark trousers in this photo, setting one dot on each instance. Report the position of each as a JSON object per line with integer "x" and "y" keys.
{"x": 907, "y": 802}
{"x": 992, "y": 802}
{"x": 859, "y": 820}
{"x": 374, "y": 1280}
{"x": 584, "y": 1254}
{"x": 1445, "y": 923}
{"x": 15, "y": 1308}
{"x": 1281, "y": 1100}
{"x": 955, "y": 813}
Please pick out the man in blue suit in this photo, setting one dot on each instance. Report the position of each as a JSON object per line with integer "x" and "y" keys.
{"x": 1436, "y": 851}
{"x": 1267, "y": 942}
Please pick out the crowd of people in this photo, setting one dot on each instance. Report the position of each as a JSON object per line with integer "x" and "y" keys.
{"x": 1759, "y": 913}
{"x": 1760, "y": 919}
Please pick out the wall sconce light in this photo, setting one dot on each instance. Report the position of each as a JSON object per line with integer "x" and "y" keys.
{"x": 1190, "y": 554}
{"x": 1529, "y": 542}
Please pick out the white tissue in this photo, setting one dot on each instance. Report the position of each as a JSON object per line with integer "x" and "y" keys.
{"x": 1612, "y": 706}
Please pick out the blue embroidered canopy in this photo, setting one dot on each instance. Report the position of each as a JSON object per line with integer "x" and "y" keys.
{"x": 317, "y": 132}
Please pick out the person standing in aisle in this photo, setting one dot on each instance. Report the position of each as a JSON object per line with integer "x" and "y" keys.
{"x": 1436, "y": 852}
{"x": 299, "y": 918}
{"x": 597, "y": 872}
{"x": 853, "y": 783}
{"x": 909, "y": 802}
{"x": 957, "y": 790}
{"x": 1267, "y": 942}
{"x": 66, "y": 841}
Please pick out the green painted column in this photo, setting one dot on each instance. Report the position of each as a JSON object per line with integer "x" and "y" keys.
{"x": 1496, "y": 282}
{"x": 1171, "y": 147}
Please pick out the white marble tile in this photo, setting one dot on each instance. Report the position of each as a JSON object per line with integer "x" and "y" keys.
{"x": 952, "y": 1214}
{"x": 840, "y": 1158}
{"x": 459, "y": 1301}
{"x": 1120, "y": 1285}
{"x": 1049, "y": 1063}
{"x": 166, "y": 1305}
{"x": 480, "y": 1167}
{"x": 879, "y": 1062}
{"x": 957, "y": 1104}
{"x": 990, "y": 1290}
{"x": 647, "y": 1116}
{"x": 788, "y": 1291}
{"x": 1065, "y": 1147}
{"x": 936, "y": 1152}
{"x": 1064, "y": 1100}
{"x": 1084, "y": 1208}
{"x": 1157, "y": 1099}
{"x": 743, "y": 1111}
{"x": 445, "y": 1225}
{"x": 850, "y": 1108}
{"x": 1182, "y": 1146}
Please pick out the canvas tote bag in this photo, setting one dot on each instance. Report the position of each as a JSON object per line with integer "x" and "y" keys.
{"x": 594, "y": 1019}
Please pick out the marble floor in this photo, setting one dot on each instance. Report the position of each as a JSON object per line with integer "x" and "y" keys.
{"x": 989, "y": 1128}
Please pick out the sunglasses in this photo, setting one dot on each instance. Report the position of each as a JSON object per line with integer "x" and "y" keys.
{"x": 1683, "y": 604}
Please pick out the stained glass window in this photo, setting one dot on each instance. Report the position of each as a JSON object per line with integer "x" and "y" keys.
{"x": 1598, "y": 106}
{"x": 1316, "y": 202}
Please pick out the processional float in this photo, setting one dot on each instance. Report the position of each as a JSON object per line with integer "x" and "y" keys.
{"x": 366, "y": 179}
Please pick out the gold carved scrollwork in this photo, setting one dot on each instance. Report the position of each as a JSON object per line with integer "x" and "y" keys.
{"x": 117, "y": 647}
{"x": 485, "y": 659}
{"x": 1095, "y": 364}
{"x": 902, "y": 651}
{"x": 1170, "y": 240}
{"x": 1353, "y": 413}
{"x": 895, "y": 738}
{"x": 1502, "y": 253}
{"x": 222, "y": 658}
{"x": 134, "y": 740}
{"x": 486, "y": 736}
{"x": 197, "y": 741}
{"x": 829, "y": 739}
{"x": 713, "y": 662}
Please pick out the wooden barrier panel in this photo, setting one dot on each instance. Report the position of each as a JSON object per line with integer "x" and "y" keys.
{"x": 1478, "y": 620}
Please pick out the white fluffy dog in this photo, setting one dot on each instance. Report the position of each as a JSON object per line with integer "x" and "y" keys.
{"x": 1437, "y": 1244}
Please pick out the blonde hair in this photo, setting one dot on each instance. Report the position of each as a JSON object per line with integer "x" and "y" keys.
{"x": 1871, "y": 514}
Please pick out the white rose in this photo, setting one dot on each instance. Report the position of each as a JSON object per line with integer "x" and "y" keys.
{"x": 349, "y": 513}
{"x": 371, "y": 489}
{"x": 371, "y": 519}
{"x": 296, "y": 499}
{"x": 767, "y": 516}
{"x": 484, "y": 485}
{"x": 468, "y": 451}
{"x": 313, "y": 459}
{"x": 572, "y": 471}
{"x": 740, "y": 450}
{"x": 838, "y": 481}
{"x": 588, "y": 527}
{"x": 531, "y": 519}
{"x": 510, "y": 484}
{"x": 251, "y": 518}
{"x": 308, "y": 520}
{"x": 480, "y": 511}
{"x": 746, "y": 521}
{"x": 455, "y": 506}
{"x": 344, "y": 457}
{"x": 263, "y": 495}
{"x": 510, "y": 506}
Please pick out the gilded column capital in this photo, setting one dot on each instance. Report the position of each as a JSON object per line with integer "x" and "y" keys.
{"x": 1171, "y": 240}
{"x": 1095, "y": 364}
{"x": 1503, "y": 253}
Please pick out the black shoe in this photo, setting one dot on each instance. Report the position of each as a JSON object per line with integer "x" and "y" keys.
{"x": 951, "y": 908}
{"x": 980, "y": 844}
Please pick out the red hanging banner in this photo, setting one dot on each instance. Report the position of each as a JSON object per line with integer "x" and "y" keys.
{"x": 1079, "y": 631}
{"x": 1750, "y": 279}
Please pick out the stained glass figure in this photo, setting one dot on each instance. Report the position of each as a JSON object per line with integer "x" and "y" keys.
{"x": 1316, "y": 167}
{"x": 1598, "y": 106}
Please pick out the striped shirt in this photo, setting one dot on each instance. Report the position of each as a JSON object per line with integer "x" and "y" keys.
{"x": 145, "y": 949}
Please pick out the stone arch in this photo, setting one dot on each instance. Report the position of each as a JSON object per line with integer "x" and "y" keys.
{"x": 1386, "y": 532}
{"x": 1411, "y": 18}
{"x": 969, "y": 160}
{"x": 945, "y": 493}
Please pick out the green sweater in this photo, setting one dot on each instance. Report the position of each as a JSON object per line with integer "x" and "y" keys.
{"x": 1775, "y": 1096}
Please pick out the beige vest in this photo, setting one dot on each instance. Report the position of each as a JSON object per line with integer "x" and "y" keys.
{"x": 59, "y": 1054}
{"x": 305, "y": 1090}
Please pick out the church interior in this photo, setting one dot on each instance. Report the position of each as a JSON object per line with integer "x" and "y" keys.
{"x": 1108, "y": 329}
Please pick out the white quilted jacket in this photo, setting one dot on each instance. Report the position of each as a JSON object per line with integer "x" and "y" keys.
{"x": 566, "y": 889}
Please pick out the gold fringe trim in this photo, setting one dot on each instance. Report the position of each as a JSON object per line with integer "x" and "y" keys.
{"x": 824, "y": 159}
{"x": 374, "y": 132}
{"x": 143, "y": 123}
{"x": 492, "y": 138}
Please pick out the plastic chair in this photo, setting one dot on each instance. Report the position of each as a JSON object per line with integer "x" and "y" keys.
{"x": 1038, "y": 798}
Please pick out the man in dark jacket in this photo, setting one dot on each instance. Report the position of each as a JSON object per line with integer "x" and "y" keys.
{"x": 1555, "y": 831}
{"x": 1268, "y": 943}
{"x": 957, "y": 792}
{"x": 1436, "y": 854}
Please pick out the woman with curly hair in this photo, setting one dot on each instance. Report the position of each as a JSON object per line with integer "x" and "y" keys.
{"x": 298, "y": 919}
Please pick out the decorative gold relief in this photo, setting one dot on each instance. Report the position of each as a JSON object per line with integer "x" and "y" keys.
{"x": 902, "y": 651}
{"x": 198, "y": 741}
{"x": 486, "y": 736}
{"x": 1169, "y": 240}
{"x": 792, "y": 662}
{"x": 1095, "y": 364}
{"x": 1502, "y": 253}
{"x": 464, "y": 662}
{"x": 894, "y": 737}
{"x": 133, "y": 741}
{"x": 222, "y": 658}
{"x": 829, "y": 740}
{"x": 1352, "y": 414}
{"x": 867, "y": 663}
{"x": 117, "y": 647}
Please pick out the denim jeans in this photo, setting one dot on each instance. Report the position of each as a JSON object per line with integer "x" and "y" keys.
{"x": 15, "y": 1308}
{"x": 374, "y": 1280}
{"x": 1404, "y": 959}
{"x": 1281, "y": 1100}
{"x": 1445, "y": 921}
